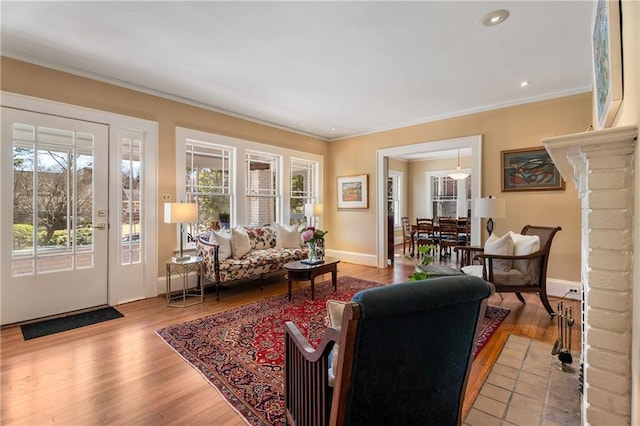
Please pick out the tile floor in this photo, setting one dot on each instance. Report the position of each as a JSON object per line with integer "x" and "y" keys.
{"x": 528, "y": 387}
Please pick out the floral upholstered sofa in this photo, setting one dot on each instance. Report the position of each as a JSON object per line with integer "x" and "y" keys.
{"x": 245, "y": 252}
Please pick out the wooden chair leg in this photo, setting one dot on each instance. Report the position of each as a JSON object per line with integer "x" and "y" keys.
{"x": 546, "y": 304}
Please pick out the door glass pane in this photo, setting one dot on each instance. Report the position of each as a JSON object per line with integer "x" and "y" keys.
{"x": 131, "y": 207}
{"x": 53, "y": 200}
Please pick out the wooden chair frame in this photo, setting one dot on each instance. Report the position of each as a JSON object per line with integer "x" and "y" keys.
{"x": 546, "y": 234}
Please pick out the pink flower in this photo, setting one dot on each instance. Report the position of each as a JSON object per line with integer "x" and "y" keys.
{"x": 308, "y": 235}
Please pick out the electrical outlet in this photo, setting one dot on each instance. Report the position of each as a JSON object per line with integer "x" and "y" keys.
{"x": 166, "y": 197}
{"x": 573, "y": 290}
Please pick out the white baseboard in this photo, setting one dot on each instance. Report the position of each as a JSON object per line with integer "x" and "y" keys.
{"x": 352, "y": 257}
{"x": 563, "y": 288}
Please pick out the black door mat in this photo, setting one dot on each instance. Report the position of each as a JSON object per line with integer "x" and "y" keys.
{"x": 56, "y": 325}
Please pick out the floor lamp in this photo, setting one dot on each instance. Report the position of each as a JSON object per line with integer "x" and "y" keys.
{"x": 180, "y": 213}
{"x": 490, "y": 207}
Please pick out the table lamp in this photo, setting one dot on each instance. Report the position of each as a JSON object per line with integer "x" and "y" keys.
{"x": 490, "y": 207}
{"x": 180, "y": 213}
{"x": 312, "y": 211}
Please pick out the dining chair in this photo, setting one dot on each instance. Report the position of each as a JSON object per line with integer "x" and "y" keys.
{"x": 406, "y": 235}
{"x": 425, "y": 234}
{"x": 448, "y": 231}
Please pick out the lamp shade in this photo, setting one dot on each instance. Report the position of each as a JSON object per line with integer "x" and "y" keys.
{"x": 313, "y": 210}
{"x": 180, "y": 212}
{"x": 490, "y": 207}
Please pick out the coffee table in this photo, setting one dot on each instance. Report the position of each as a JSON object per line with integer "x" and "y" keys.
{"x": 300, "y": 271}
{"x": 440, "y": 270}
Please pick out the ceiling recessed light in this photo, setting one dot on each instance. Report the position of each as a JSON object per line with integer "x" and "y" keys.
{"x": 524, "y": 84}
{"x": 333, "y": 129}
{"x": 496, "y": 17}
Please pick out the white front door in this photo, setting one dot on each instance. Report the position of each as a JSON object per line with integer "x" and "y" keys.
{"x": 54, "y": 216}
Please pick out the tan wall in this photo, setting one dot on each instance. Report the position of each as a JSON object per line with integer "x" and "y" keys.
{"x": 350, "y": 230}
{"x": 26, "y": 79}
{"x": 508, "y": 128}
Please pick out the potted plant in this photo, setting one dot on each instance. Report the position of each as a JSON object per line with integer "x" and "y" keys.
{"x": 427, "y": 259}
{"x": 223, "y": 217}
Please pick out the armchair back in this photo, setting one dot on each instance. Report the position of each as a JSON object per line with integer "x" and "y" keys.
{"x": 396, "y": 363}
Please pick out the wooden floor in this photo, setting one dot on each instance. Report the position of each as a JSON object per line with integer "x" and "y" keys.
{"x": 121, "y": 372}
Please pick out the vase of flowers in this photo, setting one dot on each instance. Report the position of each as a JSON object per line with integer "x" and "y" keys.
{"x": 314, "y": 238}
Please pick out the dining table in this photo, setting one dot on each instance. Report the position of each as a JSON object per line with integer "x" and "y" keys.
{"x": 463, "y": 227}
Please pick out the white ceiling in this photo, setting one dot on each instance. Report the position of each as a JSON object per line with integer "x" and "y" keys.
{"x": 328, "y": 69}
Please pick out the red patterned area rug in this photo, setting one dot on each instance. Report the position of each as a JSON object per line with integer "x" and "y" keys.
{"x": 241, "y": 351}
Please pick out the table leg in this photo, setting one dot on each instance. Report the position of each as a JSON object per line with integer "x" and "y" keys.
{"x": 313, "y": 282}
{"x": 413, "y": 248}
{"x": 334, "y": 279}
{"x": 289, "y": 275}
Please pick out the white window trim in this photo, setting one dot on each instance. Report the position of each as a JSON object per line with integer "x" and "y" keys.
{"x": 238, "y": 169}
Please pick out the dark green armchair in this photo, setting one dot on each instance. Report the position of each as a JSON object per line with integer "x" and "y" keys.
{"x": 405, "y": 352}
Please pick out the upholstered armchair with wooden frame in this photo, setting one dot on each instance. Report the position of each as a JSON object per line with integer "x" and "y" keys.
{"x": 395, "y": 363}
{"x": 518, "y": 273}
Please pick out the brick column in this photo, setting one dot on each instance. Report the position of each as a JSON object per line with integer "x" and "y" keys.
{"x": 601, "y": 164}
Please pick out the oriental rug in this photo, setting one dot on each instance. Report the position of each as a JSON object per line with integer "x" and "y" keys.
{"x": 241, "y": 351}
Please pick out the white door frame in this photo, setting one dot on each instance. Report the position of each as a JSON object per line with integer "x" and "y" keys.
{"x": 474, "y": 142}
{"x": 119, "y": 288}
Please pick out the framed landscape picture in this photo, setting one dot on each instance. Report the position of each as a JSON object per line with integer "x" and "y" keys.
{"x": 353, "y": 192}
{"x": 529, "y": 169}
{"x": 607, "y": 63}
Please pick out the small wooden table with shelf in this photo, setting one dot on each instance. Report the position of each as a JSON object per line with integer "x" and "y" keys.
{"x": 187, "y": 296}
{"x": 300, "y": 271}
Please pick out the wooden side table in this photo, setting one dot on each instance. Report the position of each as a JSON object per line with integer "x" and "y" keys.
{"x": 300, "y": 271}
{"x": 187, "y": 296}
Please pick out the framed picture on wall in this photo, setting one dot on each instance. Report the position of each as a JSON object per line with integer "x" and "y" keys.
{"x": 607, "y": 63}
{"x": 529, "y": 169}
{"x": 353, "y": 192}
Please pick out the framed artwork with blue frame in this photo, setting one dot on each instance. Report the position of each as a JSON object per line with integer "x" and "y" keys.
{"x": 607, "y": 63}
{"x": 529, "y": 169}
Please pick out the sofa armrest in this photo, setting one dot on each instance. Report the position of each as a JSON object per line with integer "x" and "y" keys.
{"x": 210, "y": 258}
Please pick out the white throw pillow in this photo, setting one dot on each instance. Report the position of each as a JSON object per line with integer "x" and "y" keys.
{"x": 523, "y": 245}
{"x": 502, "y": 246}
{"x": 287, "y": 236}
{"x": 335, "y": 309}
{"x": 240, "y": 244}
{"x": 473, "y": 270}
{"x": 223, "y": 239}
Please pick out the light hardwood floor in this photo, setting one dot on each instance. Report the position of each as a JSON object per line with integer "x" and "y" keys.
{"x": 121, "y": 372}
